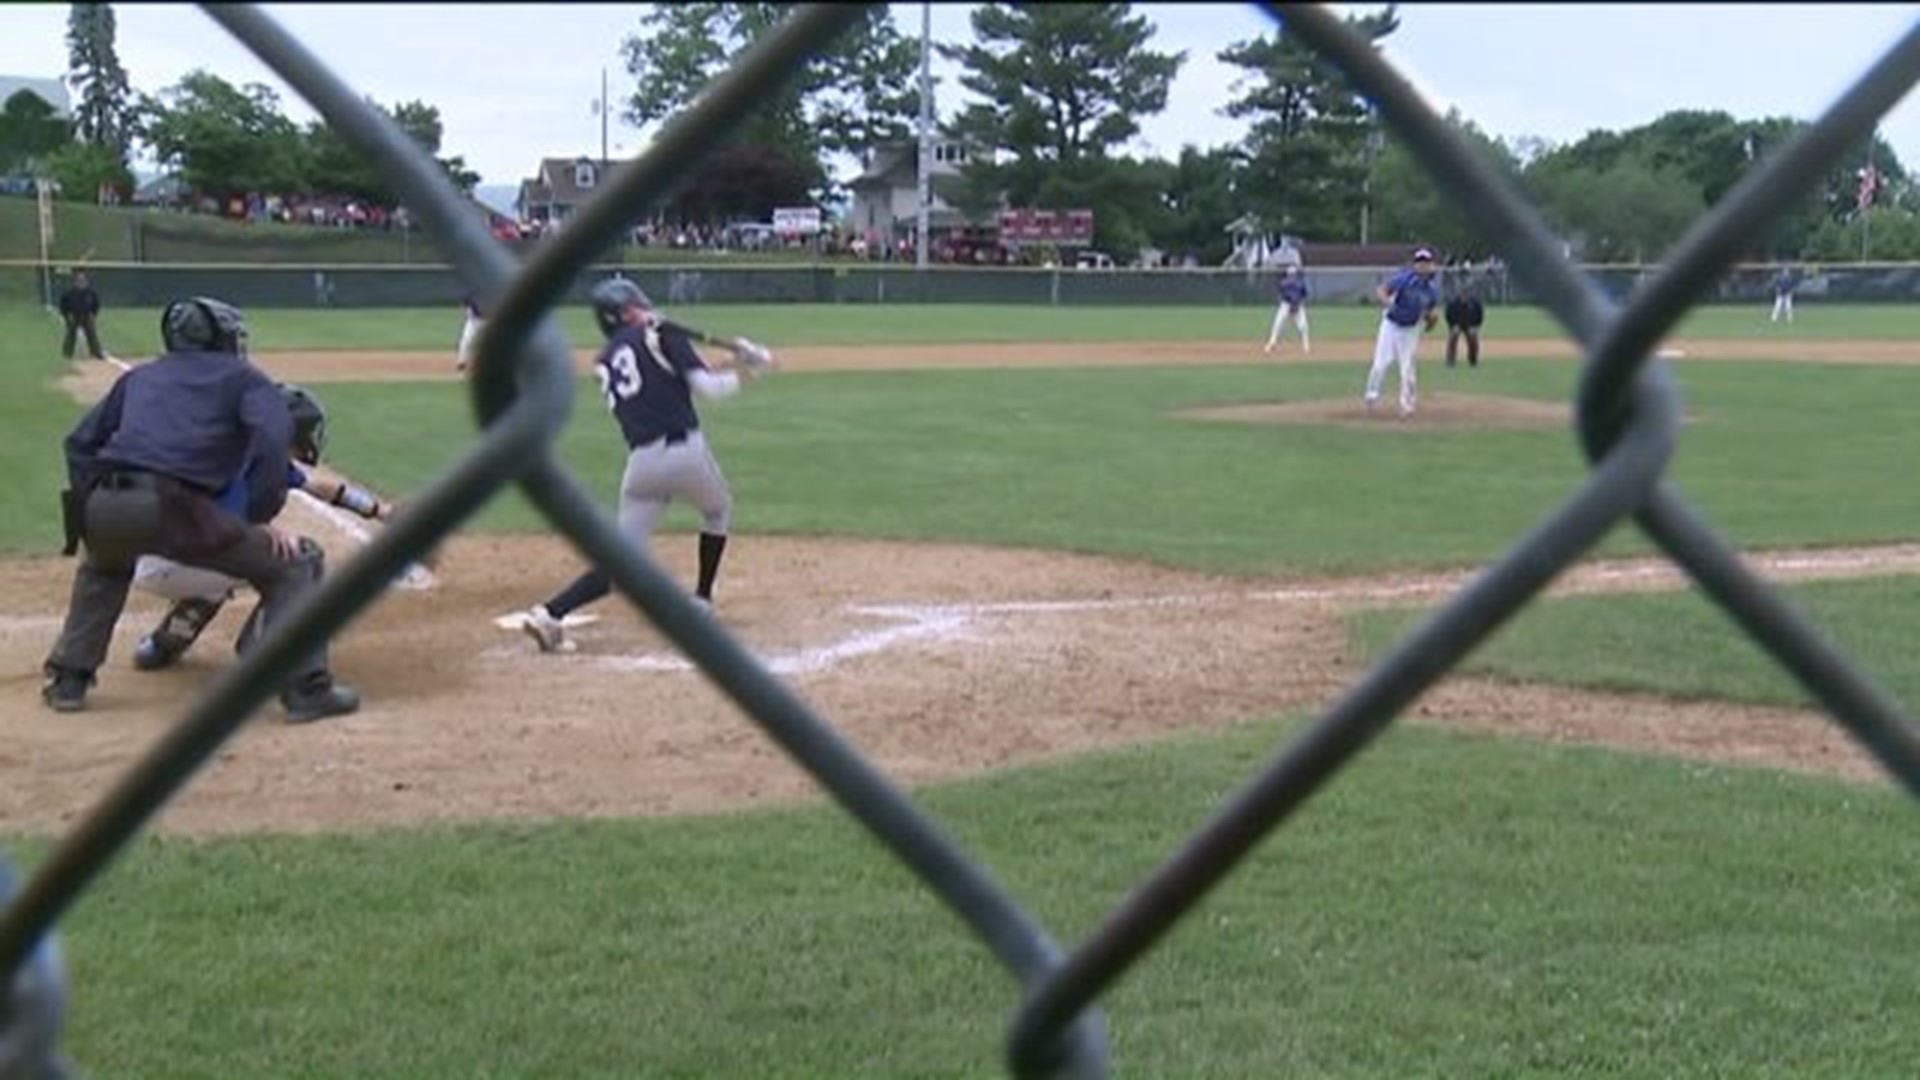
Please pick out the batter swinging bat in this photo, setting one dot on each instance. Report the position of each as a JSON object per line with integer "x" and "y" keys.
{"x": 750, "y": 353}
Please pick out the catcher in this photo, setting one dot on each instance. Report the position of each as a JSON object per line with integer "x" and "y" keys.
{"x": 199, "y": 594}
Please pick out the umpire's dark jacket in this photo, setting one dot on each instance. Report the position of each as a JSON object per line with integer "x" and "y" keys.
{"x": 1466, "y": 312}
{"x": 79, "y": 302}
{"x": 177, "y": 417}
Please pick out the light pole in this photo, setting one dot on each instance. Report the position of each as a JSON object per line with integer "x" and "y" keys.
{"x": 926, "y": 133}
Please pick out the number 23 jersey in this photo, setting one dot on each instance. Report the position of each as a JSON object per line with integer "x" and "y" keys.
{"x": 643, "y": 374}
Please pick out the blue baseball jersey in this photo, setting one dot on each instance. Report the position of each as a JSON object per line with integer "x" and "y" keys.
{"x": 233, "y": 497}
{"x": 1293, "y": 290}
{"x": 1413, "y": 296}
{"x": 1783, "y": 282}
{"x": 643, "y": 372}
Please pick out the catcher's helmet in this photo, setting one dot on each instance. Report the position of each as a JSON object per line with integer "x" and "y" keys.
{"x": 203, "y": 324}
{"x": 309, "y": 423}
{"x": 613, "y": 296}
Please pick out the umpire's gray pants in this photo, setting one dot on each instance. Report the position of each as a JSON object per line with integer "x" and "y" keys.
{"x": 658, "y": 473}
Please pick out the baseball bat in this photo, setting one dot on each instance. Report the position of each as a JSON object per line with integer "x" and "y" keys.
{"x": 731, "y": 344}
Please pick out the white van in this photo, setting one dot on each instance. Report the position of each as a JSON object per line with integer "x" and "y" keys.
{"x": 1094, "y": 260}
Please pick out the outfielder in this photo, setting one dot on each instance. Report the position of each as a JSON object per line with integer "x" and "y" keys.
{"x": 469, "y": 333}
{"x": 649, "y": 371}
{"x": 197, "y": 593}
{"x": 1408, "y": 299}
{"x": 1784, "y": 284}
{"x": 1293, "y": 300}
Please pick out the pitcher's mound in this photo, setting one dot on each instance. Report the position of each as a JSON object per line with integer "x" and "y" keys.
{"x": 1464, "y": 411}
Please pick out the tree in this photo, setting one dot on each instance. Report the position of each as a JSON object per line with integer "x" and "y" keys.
{"x": 104, "y": 117}
{"x": 224, "y": 140}
{"x": 739, "y": 182}
{"x": 1409, "y": 207}
{"x": 1310, "y": 145}
{"x": 83, "y": 169}
{"x": 1630, "y": 211}
{"x": 29, "y": 131}
{"x": 337, "y": 168}
{"x": 848, "y": 99}
{"x": 1201, "y": 199}
{"x": 1064, "y": 85}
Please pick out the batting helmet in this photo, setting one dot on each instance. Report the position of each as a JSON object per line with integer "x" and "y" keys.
{"x": 309, "y": 423}
{"x": 203, "y": 324}
{"x": 612, "y": 297}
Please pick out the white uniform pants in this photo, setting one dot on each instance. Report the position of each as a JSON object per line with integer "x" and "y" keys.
{"x": 1394, "y": 346}
{"x": 1280, "y": 324}
{"x": 1782, "y": 307}
{"x": 469, "y": 334}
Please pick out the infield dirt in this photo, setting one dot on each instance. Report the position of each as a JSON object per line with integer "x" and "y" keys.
{"x": 937, "y": 660}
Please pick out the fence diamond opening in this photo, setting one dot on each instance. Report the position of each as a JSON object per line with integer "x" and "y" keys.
{"x": 1626, "y": 417}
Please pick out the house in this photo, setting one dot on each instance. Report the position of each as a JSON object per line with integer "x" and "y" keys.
{"x": 51, "y": 91}
{"x": 558, "y": 189}
{"x": 886, "y": 197}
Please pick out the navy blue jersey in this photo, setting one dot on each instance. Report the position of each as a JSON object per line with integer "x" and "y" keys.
{"x": 1293, "y": 290}
{"x": 233, "y": 497}
{"x": 1413, "y": 296}
{"x": 200, "y": 417}
{"x": 643, "y": 372}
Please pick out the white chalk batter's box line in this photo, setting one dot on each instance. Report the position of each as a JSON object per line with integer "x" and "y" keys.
{"x": 947, "y": 623}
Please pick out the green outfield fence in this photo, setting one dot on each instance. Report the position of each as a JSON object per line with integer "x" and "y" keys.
{"x": 1627, "y": 422}
{"x": 308, "y": 285}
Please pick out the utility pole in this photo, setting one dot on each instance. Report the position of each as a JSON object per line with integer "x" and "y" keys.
{"x": 603, "y": 119}
{"x": 926, "y": 131}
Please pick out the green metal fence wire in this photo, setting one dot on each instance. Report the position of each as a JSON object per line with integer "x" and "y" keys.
{"x": 1627, "y": 419}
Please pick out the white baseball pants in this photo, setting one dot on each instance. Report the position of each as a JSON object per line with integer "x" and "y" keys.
{"x": 469, "y": 336}
{"x": 1280, "y": 324}
{"x": 1394, "y": 346}
{"x": 1782, "y": 307}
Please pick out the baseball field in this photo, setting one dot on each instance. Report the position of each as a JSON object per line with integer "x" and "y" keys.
{"x": 1072, "y": 575}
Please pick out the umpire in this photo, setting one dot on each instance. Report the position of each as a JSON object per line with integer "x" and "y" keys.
{"x": 1464, "y": 316}
{"x": 143, "y": 465}
{"x": 79, "y": 308}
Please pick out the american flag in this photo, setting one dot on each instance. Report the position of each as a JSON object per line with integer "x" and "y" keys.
{"x": 1869, "y": 186}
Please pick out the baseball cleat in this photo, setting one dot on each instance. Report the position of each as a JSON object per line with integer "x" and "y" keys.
{"x": 66, "y": 691}
{"x": 545, "y": 630}
{"x": 318, "y": 699}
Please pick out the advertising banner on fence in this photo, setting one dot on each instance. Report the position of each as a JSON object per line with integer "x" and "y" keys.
{"x": 796, "y": 220}
{"x": 1067, "y": 228}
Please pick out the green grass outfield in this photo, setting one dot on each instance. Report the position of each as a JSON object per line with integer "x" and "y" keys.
{"x": 132, "y": 332}
{"x": 1452, "y": 907}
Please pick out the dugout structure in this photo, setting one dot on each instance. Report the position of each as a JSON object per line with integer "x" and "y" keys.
{"x": 1627, "y": 422}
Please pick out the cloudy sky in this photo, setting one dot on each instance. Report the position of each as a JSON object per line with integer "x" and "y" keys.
{"x": 515, "y": 82}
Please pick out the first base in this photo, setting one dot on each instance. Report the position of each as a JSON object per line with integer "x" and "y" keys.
{"x": 512, "y": 620}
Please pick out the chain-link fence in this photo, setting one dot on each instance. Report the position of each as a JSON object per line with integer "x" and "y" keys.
{"x": 1627, "y": 420}
{"x": 309, "y": 285}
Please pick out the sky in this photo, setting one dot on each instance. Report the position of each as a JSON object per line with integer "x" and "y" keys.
{"x": 517, "y": 82}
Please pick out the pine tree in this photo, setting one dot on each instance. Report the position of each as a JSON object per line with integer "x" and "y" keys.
{"x": 103, "y": 116}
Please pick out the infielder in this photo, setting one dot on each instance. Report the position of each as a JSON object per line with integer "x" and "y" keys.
{"x": 1408, "y": 298}
{"x": 197, "y": 593}
{"x": 1784, "y": 284}
{"x": 469, "y": 332}
{"x": 649, "y": 371}
{"x": 1293, "y": 300}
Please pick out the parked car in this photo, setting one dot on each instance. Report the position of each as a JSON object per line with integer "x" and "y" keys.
{"x": 1093, "y": 260}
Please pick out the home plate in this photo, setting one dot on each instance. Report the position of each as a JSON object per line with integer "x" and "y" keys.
{"x": 574, "y": 621}
{"x": 1671, "y": 354}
